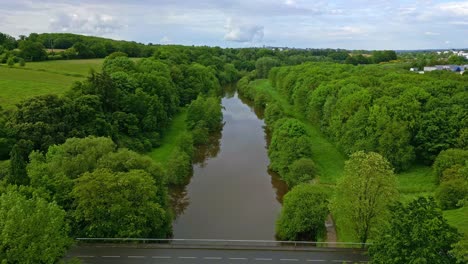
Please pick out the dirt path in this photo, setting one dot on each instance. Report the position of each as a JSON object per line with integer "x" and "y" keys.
{"x": 331, "y": 231}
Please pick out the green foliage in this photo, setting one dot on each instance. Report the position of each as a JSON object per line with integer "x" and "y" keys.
{"x": 383, "y": 56}
{"x": 32, "y": 51}
{"x": 451, "y": 194}
{"x": 305, "y": 209}
{"x": 300, "y": 171}
{"x": 118, "y": 204}
{"x": 31, "y": 229}
{"x": 289, "y": 142}
{"x": 56, "y": 171}
{"x": 417, "y": 233}
{"x": 273, "y": 112}
{"x": 204, "y": 112}
{"x": 263, "y": 66}
{"x": 75, "y": 174}
{"x": 403, "y": 116}
{"x": 7, "y": 41}
{"x": 21, "y": 62}
{"x": 449, "y": 159}
{"x": 363, "y": 194}
{"x": 18, "y": 160}
{"x": 179, "y": 167}
{"x": 11, "y": 62}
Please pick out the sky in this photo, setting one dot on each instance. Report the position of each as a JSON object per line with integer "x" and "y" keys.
{"x": 347, "y": 24}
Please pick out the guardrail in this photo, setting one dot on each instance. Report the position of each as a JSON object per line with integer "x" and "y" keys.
{"x": 222, "y": 243}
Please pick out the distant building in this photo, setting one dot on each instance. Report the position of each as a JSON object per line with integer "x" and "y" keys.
{"x": 452, "y": 68}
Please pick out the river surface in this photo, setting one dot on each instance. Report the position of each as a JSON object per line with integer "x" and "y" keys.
{"x": 231, "y": 194}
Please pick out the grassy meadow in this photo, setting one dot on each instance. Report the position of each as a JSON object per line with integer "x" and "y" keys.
{"x": 37, "y": 78}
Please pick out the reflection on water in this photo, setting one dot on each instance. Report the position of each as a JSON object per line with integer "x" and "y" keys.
{"x": 231, "y": 194}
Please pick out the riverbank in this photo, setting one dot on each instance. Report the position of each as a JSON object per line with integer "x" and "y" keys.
{"x": 411, "y": 183}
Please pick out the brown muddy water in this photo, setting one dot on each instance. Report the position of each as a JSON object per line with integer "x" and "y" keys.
{"x": 231, "y": 194}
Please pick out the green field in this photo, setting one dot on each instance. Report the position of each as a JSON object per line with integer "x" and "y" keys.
{"x": 171, "y": 138}
{"x": 77, "y": 68}
{"x": 459, "y": 219}
{"x": 19, "y": 84}
{"x": 38, "y": 78}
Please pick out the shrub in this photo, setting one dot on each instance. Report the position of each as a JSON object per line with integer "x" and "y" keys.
{"x": 305, "y": 209}
{"x": 451, "y": 194}
{"x": 300, "y": 171}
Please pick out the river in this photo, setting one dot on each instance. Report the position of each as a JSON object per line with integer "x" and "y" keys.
{"x": 231, "y": 194}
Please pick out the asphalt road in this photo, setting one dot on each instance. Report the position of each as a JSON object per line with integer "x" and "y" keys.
{"x": 121, "y": 255}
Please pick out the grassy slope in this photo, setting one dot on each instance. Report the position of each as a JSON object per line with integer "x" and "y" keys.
{"x": 19, "y": 84}
{"x": 417, "y": 181}
{"x": 45, "y": 77}
{"x": 79, "y": 68}
{"x": 170, "y": 140}
{"x": 459, "y": 219}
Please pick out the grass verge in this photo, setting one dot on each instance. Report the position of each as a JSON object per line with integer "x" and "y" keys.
{"x": 171, "y": 139}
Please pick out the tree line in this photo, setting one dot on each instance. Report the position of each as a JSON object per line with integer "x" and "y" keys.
{"x": 403, "y": 116}
{"x": 384, "y": 118}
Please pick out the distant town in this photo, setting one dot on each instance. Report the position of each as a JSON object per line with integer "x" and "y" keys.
{"x": 450, "y": 67}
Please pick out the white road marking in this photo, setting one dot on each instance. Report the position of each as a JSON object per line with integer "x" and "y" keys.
{"x": 213, "y": 258}
{"x": 136, "y": 256}
{"x": 263, "y": 259}
{"x": 289, "y": 259}
{"x": 111, "y": 256}
{"x": 161, "y": 257}
{"x": 187, "y": 257}
{"x": 85, "y": 256}
{"x": 316, "y": 260}
{"x": 238, "y": 258}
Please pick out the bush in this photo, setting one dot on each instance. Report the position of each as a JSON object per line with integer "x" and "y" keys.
{"x": 452, "y": 193}
{"x": 116, "y": 54}
{"x": 300, "y": 171}
{"x": 305, "y": 209}
{"x": 11, "y": 62}
{"x": 273, "y": 112}
{"x": 22, "y": 63}
{"x": 448, "y": 159}
{"x": 179, "y": 167}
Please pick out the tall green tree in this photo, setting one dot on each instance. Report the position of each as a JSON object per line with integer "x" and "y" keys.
{"x": 31, "y": 229}
{"x": 305, "y": 209}
{"x": 363, "y": 194}
{"x": 417, "y": 233}
{"x": 119, "y": 204}
{"x": 289, "y": 142}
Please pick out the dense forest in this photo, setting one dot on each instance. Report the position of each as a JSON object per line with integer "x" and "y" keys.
{"x": 386, "y": 120}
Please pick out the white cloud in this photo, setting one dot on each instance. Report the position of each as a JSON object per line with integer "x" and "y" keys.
{"x": 455, "y": 8}
{"x": 429, "y": 33}
{"x": 85, "y": 22}
{"x": 241, "y": 32}
{"x": 165, "y": 40}
{"x": 347, "y": 31}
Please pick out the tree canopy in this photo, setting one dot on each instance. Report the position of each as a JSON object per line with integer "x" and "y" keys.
{"x": 417, "y": 233}
{"x": 363, "y": 194}
{"x": 305, "y": 209}
{"x": 31, "y": 229}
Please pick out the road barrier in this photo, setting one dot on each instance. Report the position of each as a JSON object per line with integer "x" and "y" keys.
{"x": 225, "y": 244}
